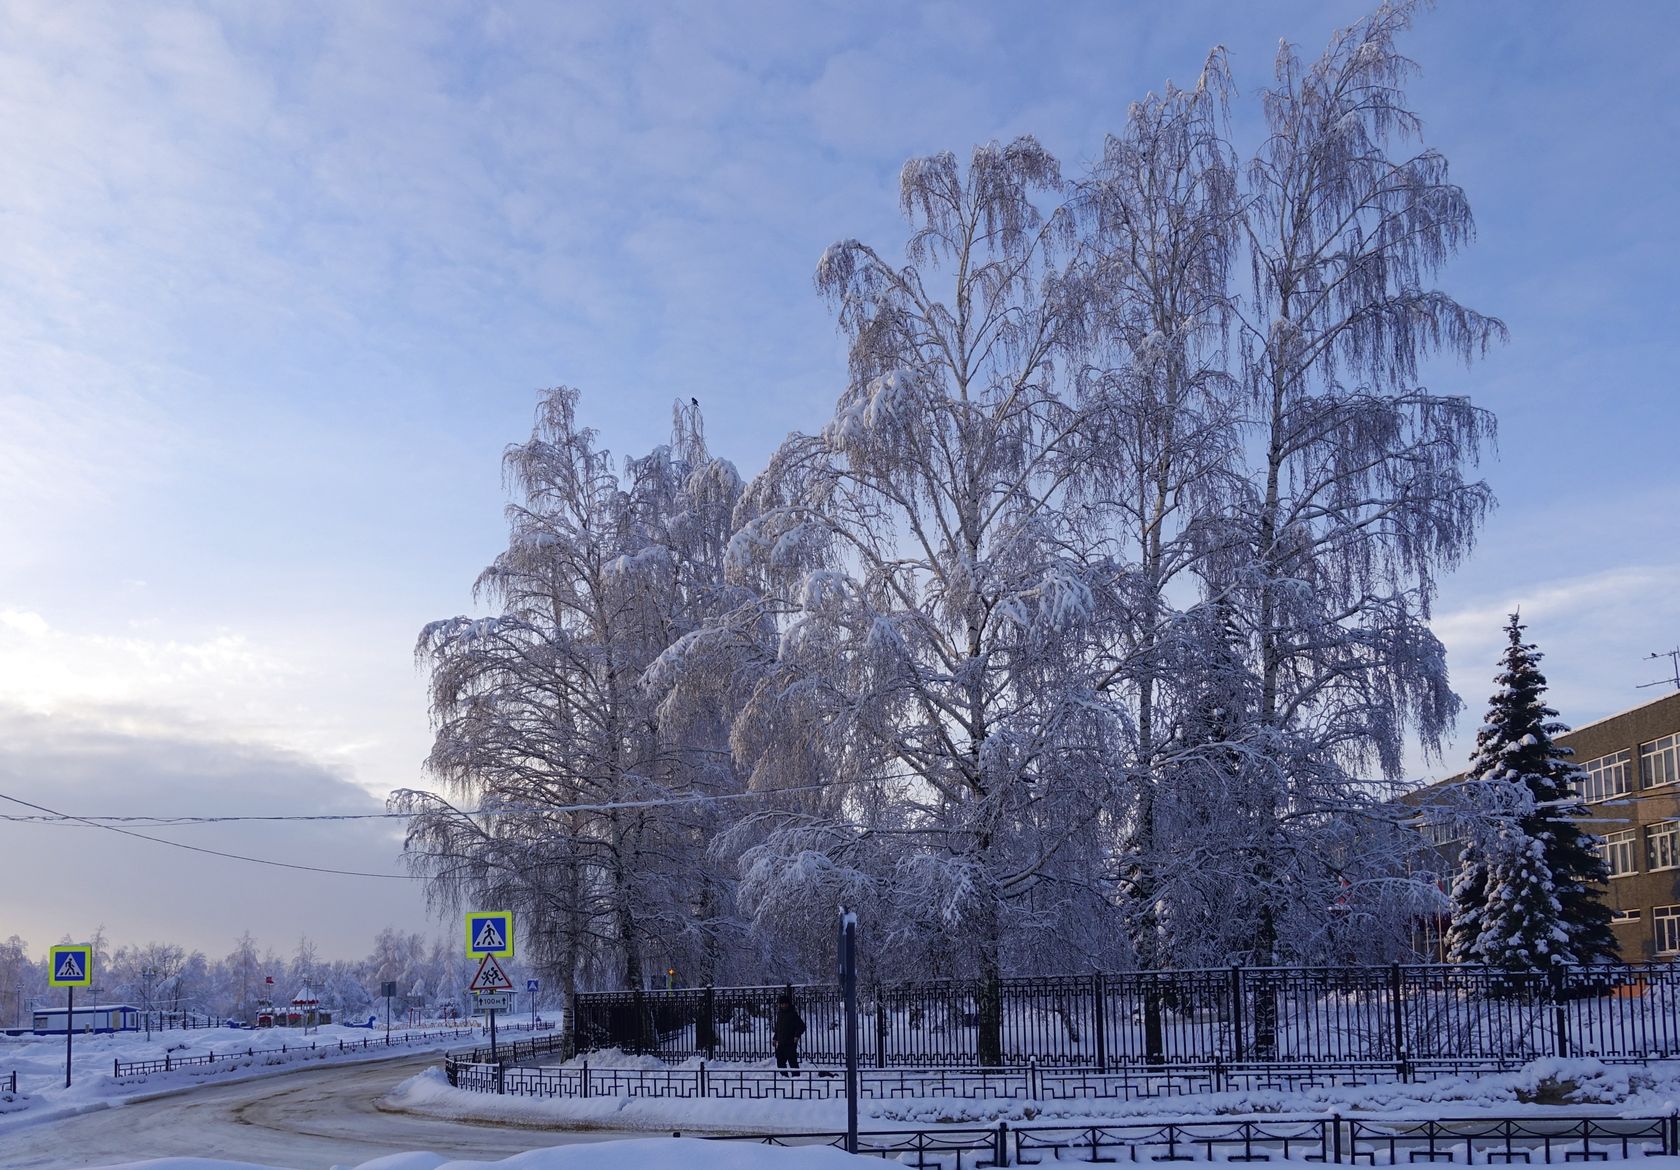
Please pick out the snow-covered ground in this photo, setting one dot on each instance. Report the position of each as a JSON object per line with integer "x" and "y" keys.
{"x": 641, "y": 1154}
{"x": 39, "y": 1061}
{"x": 1550, "y": 1086}
{"x": 1583, "y": 1086}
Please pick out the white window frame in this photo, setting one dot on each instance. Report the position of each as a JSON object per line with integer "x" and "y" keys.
{"x": 1621, "y": 852}
{"x": 1659, "y": 762}
{"x": 1665, "y": 929}
{"x": 1607, "y": 777}
{"x": 1662, "y": 845}
{"x": 1620, "y": 916}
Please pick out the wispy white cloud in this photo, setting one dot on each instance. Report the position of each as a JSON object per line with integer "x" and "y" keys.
{"x": 1594, "y": 629}
{"x": 310, "y": 697}
{"x": 219, "y": 680}
{"x": 141, "y": 890}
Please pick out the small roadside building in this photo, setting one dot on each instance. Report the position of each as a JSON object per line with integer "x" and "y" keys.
{"x": 104, "y": 1017}
{"x": 305, "y": 1010}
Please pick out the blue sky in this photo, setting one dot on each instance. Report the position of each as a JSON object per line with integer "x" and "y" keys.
{"x": 281, "y": 281}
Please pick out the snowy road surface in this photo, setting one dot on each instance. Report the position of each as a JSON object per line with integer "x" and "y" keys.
{"x": 310, "y": 1119}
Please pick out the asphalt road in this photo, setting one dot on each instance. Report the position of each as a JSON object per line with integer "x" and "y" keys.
{"x": 311, "y": 1120}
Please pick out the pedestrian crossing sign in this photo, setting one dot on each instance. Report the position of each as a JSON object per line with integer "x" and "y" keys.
{"x": 71, "y": 965}
{"x": 490, "y": 932}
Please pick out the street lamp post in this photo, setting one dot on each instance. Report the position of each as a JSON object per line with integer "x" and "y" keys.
{"x": 148, "y": 974}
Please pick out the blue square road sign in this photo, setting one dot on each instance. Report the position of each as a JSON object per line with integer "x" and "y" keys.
{"x": 490, "y": 932}
{"x": 71, "y": 965}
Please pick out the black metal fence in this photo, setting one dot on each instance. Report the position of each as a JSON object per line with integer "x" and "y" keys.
{"x": 169, "y": 1062}
{"x": 556, "y": 1044}
{"x": 1031, "y": 1083}
{"x": 8, "y": 1083}
{"x": 1471, "y": 1140}
{"x": 1400, "y": 1014}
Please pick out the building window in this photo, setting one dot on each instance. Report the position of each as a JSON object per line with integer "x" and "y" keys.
{"x": 1659, "y": 761}
{"x": 1607, "y": 776}
{"x": 1665, "y": 921}
{"x": 1620, "y": 852}
{"x": 1662, "y": 845}
{"x": 1617, "y": 916}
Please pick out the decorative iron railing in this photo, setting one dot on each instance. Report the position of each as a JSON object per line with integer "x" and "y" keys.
{"x": 1333, "y": 1140}
{"x": 1049, "y": 1083}
{"x": 1289, "y": 1015}
{"x": 169, "y": 1062}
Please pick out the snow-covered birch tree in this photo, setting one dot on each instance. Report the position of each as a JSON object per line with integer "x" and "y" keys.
{"x": 1162, "y": 209}
{"x": 1361, "y": 494}
{"x": 579, "y": 807}
{"x": 935, "y": 597}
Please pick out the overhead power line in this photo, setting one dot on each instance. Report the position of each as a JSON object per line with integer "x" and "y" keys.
{"x": 158, "y": 821}
{"x": 96, "y": 824}
{"x": 118, "y": 824}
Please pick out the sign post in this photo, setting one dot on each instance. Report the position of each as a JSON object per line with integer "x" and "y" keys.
{"x": 70, "y": 966}
{"x": 148, "y": 974}
{"x": 389, "y": 989}
{"x": 490, "y": 937}
{"x": 848, "y": 990}
{"x": 531, "y": 990}
{"x": 489, "y": 984}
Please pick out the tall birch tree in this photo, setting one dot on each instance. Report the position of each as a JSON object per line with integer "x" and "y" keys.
{"x": 1362, "y": 494}
{"x": 934, "y": 596}
{"x": 568, "y": 798}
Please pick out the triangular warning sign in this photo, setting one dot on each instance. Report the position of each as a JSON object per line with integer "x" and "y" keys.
{"x": 69, "y": 967}
{"x": 489, "y": 937}
{"x": 490, "y": 977}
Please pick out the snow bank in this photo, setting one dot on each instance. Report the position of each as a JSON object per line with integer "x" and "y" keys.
{"x": 1548, "y": 1086}
{"x": 430, "y": 1094}
{"x": 641, "y": 1153}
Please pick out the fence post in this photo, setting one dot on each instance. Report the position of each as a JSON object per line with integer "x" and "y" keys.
{"x": 641, "y": 1022}
{"x": 708, "y": 1022}
{"x": 1397, "y": 1013}
{"x": 586, "y": 1076}
{"x": 1000, "y": 1152}
{"x": 702, "y": 1078}
{"x": 1336, "y": 1137}
{"x": 1560, "y": 1013}
{"x": 1236, "y": 1014}
{"x": 880, "y": 1028}
{"x": 1099, "y": 1021}
{"x": 1154, "y": 1034}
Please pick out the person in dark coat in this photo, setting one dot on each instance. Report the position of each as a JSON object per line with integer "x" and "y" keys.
{"x": 789, "y": 1027}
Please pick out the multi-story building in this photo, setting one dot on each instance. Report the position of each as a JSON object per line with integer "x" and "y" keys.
{"x": 1632, "y": 790}
{"x": 1632, "y": 793}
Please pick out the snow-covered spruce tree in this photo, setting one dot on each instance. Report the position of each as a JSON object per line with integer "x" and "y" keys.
{"x": 1528, "y": 896}
{"x": 1359, "y": 496}
{"x": 544, "y": 728}
{"x": 935, "y": 601}
{"x": 1162, "y": 213}
{"x": 1214, "y": 782}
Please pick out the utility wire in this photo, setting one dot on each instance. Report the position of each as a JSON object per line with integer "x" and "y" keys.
{"x": 95, "y": 824}
{"x": 46, "y": 816}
